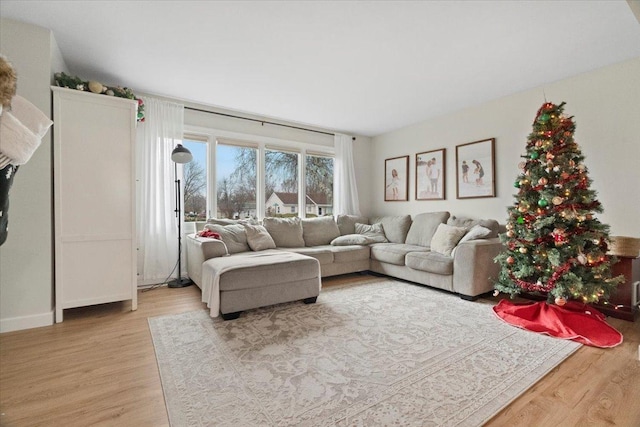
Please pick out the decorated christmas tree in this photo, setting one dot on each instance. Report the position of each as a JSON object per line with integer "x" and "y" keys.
{"x": 554, "y": 242}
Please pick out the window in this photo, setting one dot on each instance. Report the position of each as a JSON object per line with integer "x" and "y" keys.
{"x": 319, "y": 185}
{"x": 195, "y": 181}
{"x": 281, "y": 183}
{"x": 236, "y": 178}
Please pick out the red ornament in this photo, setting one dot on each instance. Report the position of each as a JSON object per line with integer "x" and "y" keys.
{"x": 511, "y": 260}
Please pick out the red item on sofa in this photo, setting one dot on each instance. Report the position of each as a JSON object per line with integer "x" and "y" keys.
{"x": 209, "y": 233}
{"x": 573, "y": 321}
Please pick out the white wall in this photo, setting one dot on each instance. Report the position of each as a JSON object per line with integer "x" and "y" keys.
{"x": 606, "y": 107}
{"x": 26, "y": 258}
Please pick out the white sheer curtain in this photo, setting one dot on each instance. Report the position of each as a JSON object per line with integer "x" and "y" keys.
{"x": 345, "y": 189}
{"x": 156, "y": 219}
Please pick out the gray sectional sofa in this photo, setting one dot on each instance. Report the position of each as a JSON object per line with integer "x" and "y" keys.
{"x": 433, "y": 249}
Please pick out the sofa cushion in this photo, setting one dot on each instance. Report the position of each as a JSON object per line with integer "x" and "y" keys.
{"x": 263, "y": 275}
{"x": 393, "y": 253}
{"x": 352, "y": 239}
{"x": 424, "y": 226}
{"x": 345, "y": 254}
{"x": 395, "y": 227}
{"x": 233, "y": 236}
{"x": 375, "y": 232}
{"x": 286, "y": 232}
{"x": 258, "y": 238}
{"x": 347, "y": 223}
{"x": 319, "y": 231}
{"x": 468, "y": 223}
{"x": 323, "y": 254}
{"x": 431, "y": 262}
{"x": 446, "y": 238}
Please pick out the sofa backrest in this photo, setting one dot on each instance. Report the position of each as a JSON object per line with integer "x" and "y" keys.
{"x": 347, "y": 223}
{"x": 286, "y": 232}
{"x": 424, "y": 227}
{"x": 319, "y": 231}
{"x": 395, "y": 227}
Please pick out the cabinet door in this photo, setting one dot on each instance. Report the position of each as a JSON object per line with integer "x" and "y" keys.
{"x": 94, "y": 189}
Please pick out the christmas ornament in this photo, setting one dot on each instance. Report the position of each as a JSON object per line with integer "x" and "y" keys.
{"x": 560, "y": 301}
{"x": 543, "y": 181}
{"x": 511, "y": 260}
{"x": 534, "y": 155}
{"x": 559, "y": 236}
{"x": 582, "y": 259}
{"x": 522, "y": 250}
{"x": 550, "y": 156}
{"x": 496, "y": 293}
{"x": 510, "y": 233}
{"x": 517, "y": 184}
{"x": 520, "y": 220}
{"x": 538, "y": 143}
{"x": 543, "y": 118}
{"x": 543, "y": 203}
{"x": 557, "y": 200}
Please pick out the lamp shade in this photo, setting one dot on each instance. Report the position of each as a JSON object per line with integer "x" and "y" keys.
{"x": 181, "y": 154}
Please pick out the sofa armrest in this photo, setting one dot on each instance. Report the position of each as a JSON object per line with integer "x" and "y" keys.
{"x": 200, "y": 249}
{"x": 474, "y": 271}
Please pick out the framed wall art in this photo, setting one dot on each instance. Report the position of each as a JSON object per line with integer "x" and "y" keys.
{"x": 475, "y": 169}
{"x": 430, "y": 175}
{"x": 396, "y": 179}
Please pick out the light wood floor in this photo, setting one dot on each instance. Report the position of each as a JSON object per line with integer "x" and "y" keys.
{"x": 98, "y": 368}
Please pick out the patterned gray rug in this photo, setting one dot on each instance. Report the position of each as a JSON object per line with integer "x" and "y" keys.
{"x": 373, "y": 354}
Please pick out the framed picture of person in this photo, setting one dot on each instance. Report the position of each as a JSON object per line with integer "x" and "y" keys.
{"x": 396, "y": 179}
{"x": 430, "y": 175}
{"x": 475, "y": 169}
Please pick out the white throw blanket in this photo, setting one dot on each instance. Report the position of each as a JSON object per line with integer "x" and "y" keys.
{"x": 21, "y": 131}
{"x": 213, "y": 268}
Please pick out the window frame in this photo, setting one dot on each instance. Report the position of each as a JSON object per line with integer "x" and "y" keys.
{"x": 214, "y": 137}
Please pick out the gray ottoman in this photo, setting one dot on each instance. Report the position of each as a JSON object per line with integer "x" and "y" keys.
{"x": 256, "y": 279}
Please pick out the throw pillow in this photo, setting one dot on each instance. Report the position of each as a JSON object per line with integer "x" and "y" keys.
{"x": 286, "y": 232}
{"x": 233, "y": 236}
{"x": 468, "y": 223}
{"x": 374, "y": 232}
{"x": 446, "y": 238}
{"x": 258, "y": 238}
{"x": 347, "y": 223}
{"x": 352, "y": 239}
{"x": 476, "y": 232}
{"x": 319, "y": 231}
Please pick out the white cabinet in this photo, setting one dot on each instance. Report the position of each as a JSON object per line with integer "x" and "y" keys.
{"x": 94, "y": 199}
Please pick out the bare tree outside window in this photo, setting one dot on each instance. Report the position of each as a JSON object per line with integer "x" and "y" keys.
{"x": 194, "y": 178}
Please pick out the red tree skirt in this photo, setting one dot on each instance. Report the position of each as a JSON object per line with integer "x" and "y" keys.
{"x": 573, "y": 321}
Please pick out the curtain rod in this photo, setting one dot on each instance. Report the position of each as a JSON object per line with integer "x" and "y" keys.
{"x": 262, "y": 121}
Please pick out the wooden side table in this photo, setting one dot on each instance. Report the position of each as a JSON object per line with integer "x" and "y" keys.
{"x": 623, "y": 304}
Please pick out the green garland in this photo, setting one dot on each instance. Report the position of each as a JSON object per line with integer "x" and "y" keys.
{"x": 72, "y": 82}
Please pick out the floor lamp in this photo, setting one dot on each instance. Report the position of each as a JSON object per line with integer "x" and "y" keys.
{"x": 180, "y": 155}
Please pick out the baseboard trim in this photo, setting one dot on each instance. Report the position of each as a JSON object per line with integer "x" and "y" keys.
{"x": 27, "y": 322}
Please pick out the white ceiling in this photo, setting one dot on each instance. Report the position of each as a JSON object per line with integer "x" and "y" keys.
{"x": 362, "y": 67}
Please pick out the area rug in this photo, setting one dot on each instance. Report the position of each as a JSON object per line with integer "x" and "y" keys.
{"x": 372, "y": 354}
